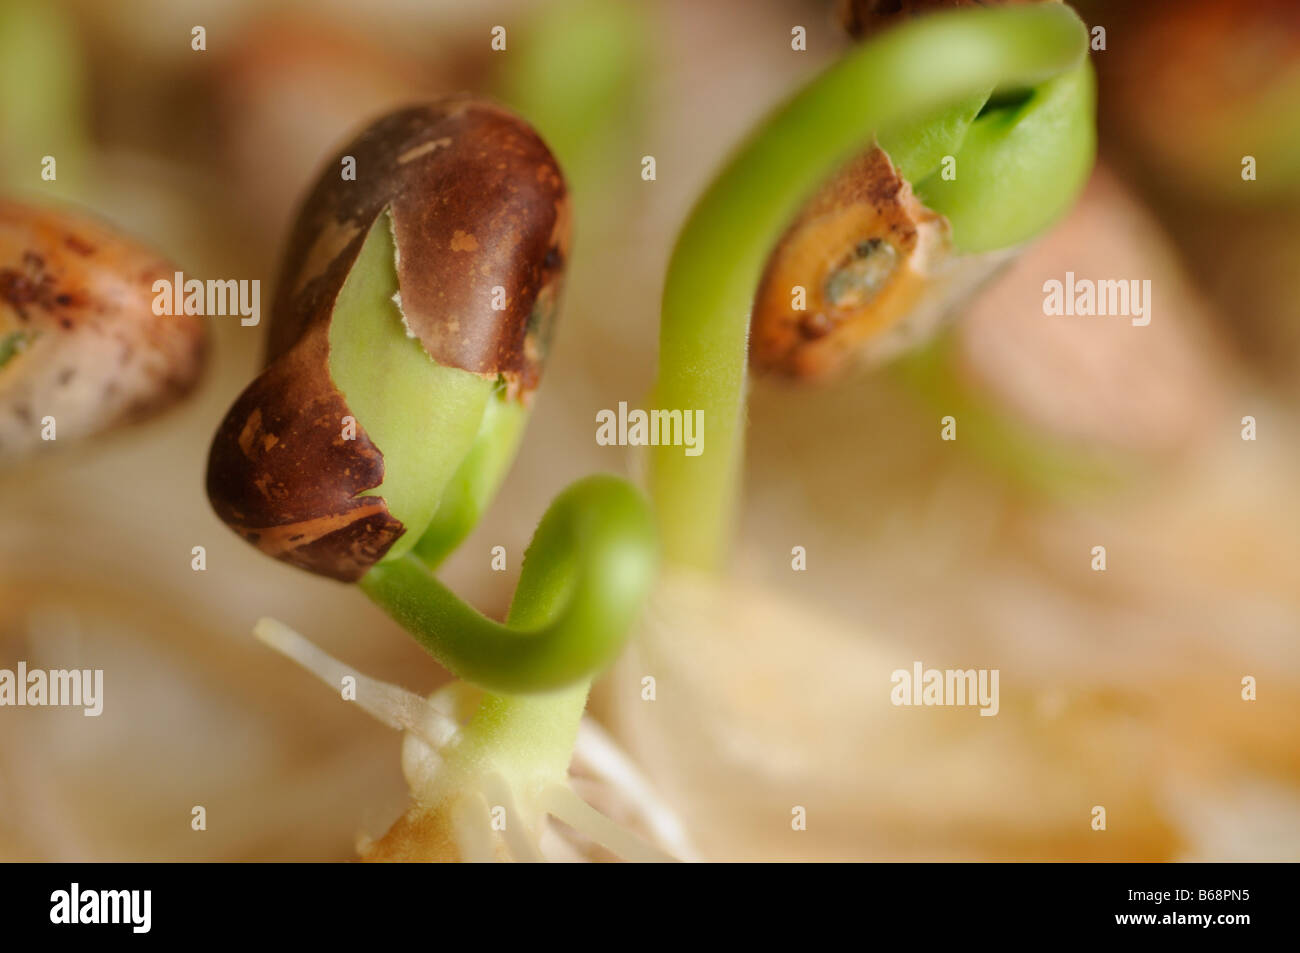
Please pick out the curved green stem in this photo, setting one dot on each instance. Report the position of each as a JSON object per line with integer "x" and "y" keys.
{"x": 585, "y": 577}
{"x": 931, "y": 64}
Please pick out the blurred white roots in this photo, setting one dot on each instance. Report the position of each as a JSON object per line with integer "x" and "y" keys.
{"x": 524, "y": 829}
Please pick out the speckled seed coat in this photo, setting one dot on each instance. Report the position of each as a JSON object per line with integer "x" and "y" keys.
{"x": 79, "y": 340}
{"x": 480, "y": 213}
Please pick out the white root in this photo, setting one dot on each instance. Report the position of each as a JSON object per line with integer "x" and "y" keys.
{"x": 471, "y": 813}
{"x": 597, "y": 754}
{"x": 560, "y": 801}
{"x": 520, "y": 840}
{"x": 395, "y": 707}
{"x": 556, "y": 846}
{"x": 472, "y": 827}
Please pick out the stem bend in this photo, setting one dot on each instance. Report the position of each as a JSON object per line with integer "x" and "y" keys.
{"x": 882, "y": 86}
{"x": 585, "y": 578}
